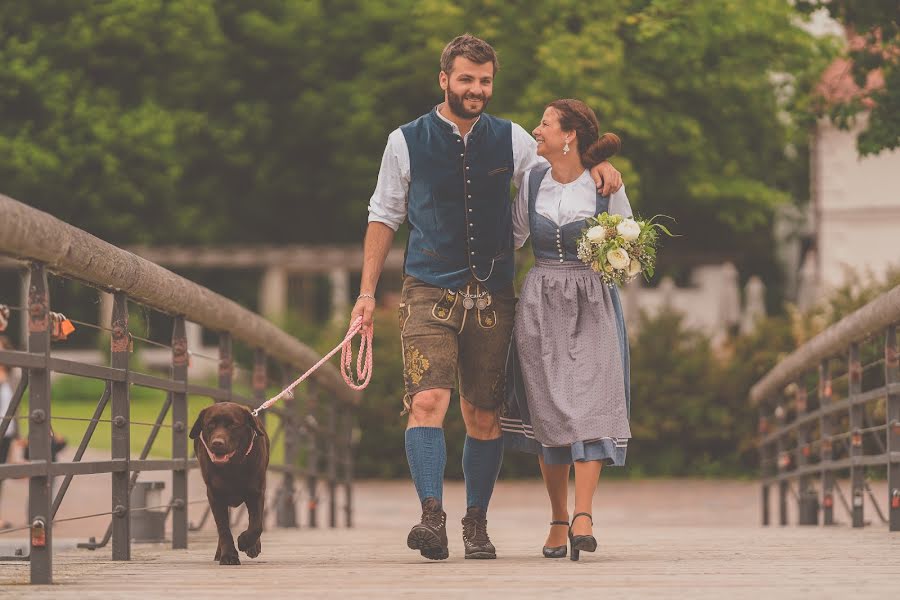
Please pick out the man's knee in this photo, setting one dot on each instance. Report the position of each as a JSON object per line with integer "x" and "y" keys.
{"x": 480, "y": 423}
{"x": 428, "y": 407}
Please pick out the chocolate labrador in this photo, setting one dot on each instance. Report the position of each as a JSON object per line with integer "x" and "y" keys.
{"x": 233, "y": 451}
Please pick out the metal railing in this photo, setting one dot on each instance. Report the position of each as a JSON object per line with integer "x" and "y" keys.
{"x": 316, "y": 428}
{"x": 832, "y": 409}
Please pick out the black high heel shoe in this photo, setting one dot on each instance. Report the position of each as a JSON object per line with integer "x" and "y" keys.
{"x": 556, "y": 551}
{"x": 581, "y": 542}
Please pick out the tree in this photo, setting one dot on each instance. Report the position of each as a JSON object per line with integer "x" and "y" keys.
{"x": 226, "y": 121}
{"x": 874, "y": 26}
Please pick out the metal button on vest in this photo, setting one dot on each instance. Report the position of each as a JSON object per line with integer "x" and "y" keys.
{"x": 470, "y": 197}
{"x": 468, "y": 181}
{"x": 461, "y": 155}
{"x": 472, "y": 253}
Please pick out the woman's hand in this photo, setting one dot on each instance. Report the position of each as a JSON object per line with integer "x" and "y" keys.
{"x": 607, "y": 178}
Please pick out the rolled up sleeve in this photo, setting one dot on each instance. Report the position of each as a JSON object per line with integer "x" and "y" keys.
{"x": 388, "y": 204}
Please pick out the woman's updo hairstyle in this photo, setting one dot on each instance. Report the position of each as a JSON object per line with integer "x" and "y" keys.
{"x": 593, "y": 148}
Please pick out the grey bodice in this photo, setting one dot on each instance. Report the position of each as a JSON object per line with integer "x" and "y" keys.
{"x": 549, "y": 240}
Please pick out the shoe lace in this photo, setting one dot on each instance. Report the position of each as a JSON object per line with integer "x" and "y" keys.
{"x": 433, "y": 518}
{"x": 475, "y": 531}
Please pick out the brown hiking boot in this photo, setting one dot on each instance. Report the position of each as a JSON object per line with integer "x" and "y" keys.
{"x": 430, "y": 536}
{"x": 475, "y": 536}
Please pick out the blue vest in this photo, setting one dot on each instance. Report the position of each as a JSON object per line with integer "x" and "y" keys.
{"x": 459, "y": 213}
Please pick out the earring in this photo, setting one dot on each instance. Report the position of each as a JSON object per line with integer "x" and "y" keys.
{"x": 566, "y": 147}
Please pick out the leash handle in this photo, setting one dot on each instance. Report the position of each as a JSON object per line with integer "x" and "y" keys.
{"x": 364, "y": 363}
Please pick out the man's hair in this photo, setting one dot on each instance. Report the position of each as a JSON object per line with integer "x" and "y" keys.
{"x": 470, "y": 47}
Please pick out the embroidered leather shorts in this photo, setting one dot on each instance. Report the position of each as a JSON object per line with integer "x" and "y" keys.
{"x": 443, "y": 342}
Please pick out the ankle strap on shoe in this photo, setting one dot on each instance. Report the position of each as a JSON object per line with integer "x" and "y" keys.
{"x": 566, "y": 523}
{"x": 583, "y": 514}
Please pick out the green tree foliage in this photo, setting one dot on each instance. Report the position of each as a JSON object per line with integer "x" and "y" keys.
{"x": 877, "y": 22}
{"x": 220, "y": 120}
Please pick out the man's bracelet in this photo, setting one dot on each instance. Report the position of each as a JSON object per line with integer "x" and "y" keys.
{"x": 365, "y": 296}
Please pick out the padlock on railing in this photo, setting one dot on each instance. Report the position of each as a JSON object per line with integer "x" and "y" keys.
{"x": 38, "y": 534}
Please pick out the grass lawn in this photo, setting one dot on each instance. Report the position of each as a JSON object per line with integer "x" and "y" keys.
{"x": 77, "y": 397}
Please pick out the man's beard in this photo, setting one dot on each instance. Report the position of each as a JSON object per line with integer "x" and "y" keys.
{"x": 455, "y": 101}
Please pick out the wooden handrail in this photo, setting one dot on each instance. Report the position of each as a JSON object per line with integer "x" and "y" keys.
{"x": 30, "y": 234}
{"x": 855, "y": 327}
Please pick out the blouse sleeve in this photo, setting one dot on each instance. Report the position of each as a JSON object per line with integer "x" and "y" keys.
{"x": 618, "y": 203}
{"x": 521, "y": 227}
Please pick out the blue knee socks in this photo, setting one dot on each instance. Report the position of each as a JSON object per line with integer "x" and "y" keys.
{"x": 426, "y": 452}
{"x": 481, "y": 465}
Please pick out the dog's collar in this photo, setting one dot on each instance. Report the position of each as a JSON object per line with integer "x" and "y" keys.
{"x": 212, "y": 456}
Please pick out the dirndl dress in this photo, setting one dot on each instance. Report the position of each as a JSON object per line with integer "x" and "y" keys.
{"x": 568, "y": 372}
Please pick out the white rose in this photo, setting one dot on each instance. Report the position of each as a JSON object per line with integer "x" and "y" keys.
{"x": 634, "y": 268}
{"x": 596, "y": 234}
{"x": 629, "y": 230}
{"x": 618, "y": 258}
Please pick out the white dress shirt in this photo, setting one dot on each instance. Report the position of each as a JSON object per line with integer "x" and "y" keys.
{"x": 388, "y": 204}
{"x": 563, "y": 203}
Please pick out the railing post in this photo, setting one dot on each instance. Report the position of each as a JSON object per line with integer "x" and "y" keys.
{"x": 179, "y": 436}
{"x": 807, "y": 504}
{"x": 39, "y": 496}
{"x": 226, "y": 363}
{"x": 332, "y": 462}
{"x": 286, "y": 510}
{"x": 258, "y": 382}
{"x": 826, "y": 450}
{"x": 892, "y": 377}
{"x": 854, "y": 388}
{"x": 765, "y": 463}
{"x": 782, "y": 465}
{"x": 121, "y": 431}
{"x": 312, "y": 450}
{"x": 347, "y": 428}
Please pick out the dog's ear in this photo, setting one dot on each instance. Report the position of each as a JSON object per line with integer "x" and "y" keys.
{"x": 198, "y": 425}
{"x": 254, "y": 422}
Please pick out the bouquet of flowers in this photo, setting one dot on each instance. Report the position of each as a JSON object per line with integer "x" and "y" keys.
{"x": 619, "y": 248}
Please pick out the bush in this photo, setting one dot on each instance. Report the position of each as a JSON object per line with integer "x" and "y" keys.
{"x": 690, "y": 410}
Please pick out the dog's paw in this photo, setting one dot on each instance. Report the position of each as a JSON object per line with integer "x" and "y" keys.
{"x": 254, "y": 550}
{"x": 249, "y": 544}
{"x": 229, "y": 559}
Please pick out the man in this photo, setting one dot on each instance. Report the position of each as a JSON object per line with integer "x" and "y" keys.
{"x": 449, "y": 172}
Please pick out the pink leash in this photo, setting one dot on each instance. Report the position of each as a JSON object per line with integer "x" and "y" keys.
{"x": 363, "y": 363}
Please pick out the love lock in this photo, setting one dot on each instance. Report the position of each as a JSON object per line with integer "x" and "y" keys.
{"x": 38, "y": 533}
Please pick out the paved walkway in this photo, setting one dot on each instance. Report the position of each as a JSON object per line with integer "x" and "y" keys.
{"x": 658, "y": 539}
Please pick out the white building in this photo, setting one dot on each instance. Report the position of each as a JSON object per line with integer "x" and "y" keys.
{"x": 854, "y": 219}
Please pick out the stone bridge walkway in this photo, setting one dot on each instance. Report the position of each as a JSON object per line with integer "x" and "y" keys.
{"x": 658, "y": 539}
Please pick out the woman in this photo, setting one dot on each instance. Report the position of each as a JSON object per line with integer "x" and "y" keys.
{"x": 568, "y": 369}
